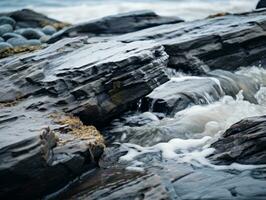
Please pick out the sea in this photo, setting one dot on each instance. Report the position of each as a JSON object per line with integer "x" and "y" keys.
{"x": 75, "y": 11}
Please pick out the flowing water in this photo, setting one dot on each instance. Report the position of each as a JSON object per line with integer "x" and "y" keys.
{"x": 151, "y": 138}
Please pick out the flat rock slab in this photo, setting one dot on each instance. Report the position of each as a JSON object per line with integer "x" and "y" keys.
{"x": 244, "y": 142}
{"x": 176, "y": 182}
{"x": 117, "y": 24}
{"x": 95, "y": 81}
{"x": 224, "y": 42}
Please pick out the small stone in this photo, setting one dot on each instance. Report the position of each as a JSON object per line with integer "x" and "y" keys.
{"x": 5, "y": 45}
{"x": 44, "y": 38}
{"x": 6, "y": 28}
{"x": 7, "y": 20}
{"x": 16, "y": 42}
{"x": 7, "y": 36}
{"x": 31, "y": 33}
{"x": 34, "y": 42}
{"x": 49, "y": 30}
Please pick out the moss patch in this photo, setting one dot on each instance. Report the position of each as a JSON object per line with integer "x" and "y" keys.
{"x": 80, "y": 131}
{"x": 11, "y": 51}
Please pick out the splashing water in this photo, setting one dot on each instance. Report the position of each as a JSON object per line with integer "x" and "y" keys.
{"x": 205, "y": 123}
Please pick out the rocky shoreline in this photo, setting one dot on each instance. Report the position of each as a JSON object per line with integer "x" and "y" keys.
{"x": 60, "y": 81}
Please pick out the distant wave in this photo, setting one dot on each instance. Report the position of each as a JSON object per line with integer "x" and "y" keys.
{"x": 82, "y": 10}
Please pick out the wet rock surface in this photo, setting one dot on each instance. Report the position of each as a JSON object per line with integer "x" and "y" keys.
{"x": 215, "y": 43}
{"x": 103, "y": 78}
{"x": 261, "y": 4}
{"x": 244, "y": 142}
{"x": 106, "y": 71}
{"x": 175, "y": 182}
{"x": 42, "y": 151}
{"x": 117, "y": 24}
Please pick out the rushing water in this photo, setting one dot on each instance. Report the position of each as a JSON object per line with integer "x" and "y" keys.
{"x": 186, "y": 137}
{"x": 82, "y": 10}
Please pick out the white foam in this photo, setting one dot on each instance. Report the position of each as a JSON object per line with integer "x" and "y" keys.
{"x": 210, "y": 121}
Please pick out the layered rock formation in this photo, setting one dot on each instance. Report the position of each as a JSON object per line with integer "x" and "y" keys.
{"x": 102, "y": 73}
{"x": 244, "y": 143}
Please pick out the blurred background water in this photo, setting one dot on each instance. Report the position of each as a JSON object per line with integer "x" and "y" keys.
{"x": 81, "y": 10}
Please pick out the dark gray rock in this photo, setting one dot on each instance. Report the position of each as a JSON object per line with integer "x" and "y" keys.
{"x": 48, "y": 30}
{"x": 117, "y": 24}
{"x": 17, "y": 41}
{"x": 5, "y": 45}
{"x": 244, "y": 142}
{"x": 128, "y": 185}
{"x": 261, "y": 4}
{"x": 168, "y": 181}
{"x": 39, "y": 155}
{"x": 30, "y": 33}
{"x": 7, "y": 36}
{"x": 95, "y": 81}
{"x": 6, "y": 28}
{"x": 27, "y": 18}
{"x": 216, "y": 43}
{"x": 178, "y": 94}
{"x": 7, "y": 20}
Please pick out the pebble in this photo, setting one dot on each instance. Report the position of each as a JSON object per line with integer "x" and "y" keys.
{"x": 48, "y": 30}
{"x": 6, "y": 28}
{"x": 31, "y": 33}
{"x": 34, "y": 42}
{"x": 7, "y": 36}
{"x": 7, "y": 20}
{"x": 44, "y": 38}
{"x": 5, "y": 45}
{"x": 16, "y": 42}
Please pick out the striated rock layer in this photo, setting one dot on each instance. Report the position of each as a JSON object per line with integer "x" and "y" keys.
{"x": 244, "y": 143}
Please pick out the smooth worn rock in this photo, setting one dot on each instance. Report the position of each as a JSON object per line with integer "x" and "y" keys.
{"x": 178, "y": 94}
{"x": 17, "y": 42}
{"x": 1, "y": 39}
{"x": 117, "y": 24}
{"x": 5, "y": 45}
{"x": 244, "y": 143}
{"x": 27, "y": 18}
{"x": 48, "y": 30}
{"x": 31, "y": 33}
{"x": 6, "y": 28}
{"x": 34, "y": 42}
{"x": 261, "y": 4}
{"x": 7, "y": 36}
{"x": 7, "y": 20}
{"x": 45, "y": 38}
